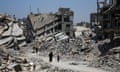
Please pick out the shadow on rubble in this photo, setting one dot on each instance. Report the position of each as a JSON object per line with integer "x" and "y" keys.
{"x": 104, "y": 49}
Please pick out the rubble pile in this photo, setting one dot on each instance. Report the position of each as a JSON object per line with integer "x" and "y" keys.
{"x": 82, "y": 47}
{"x": 11, "y": 32}
{"x": 109, "y": 62}
{"x": 14, "y": 61}
{"x": 68, "y": 46}
{"x": 56, "y": 69}
{"x": 110, "y": 57}
{"x": 106, "y": 57}
{"x": 11, "y": 36}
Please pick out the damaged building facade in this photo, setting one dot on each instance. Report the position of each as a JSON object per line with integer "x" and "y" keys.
{"x": 61, "y": 21}
{"x": 107, "y": 18}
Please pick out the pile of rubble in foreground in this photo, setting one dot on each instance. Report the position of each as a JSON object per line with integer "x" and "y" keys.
{"x": 14, "y": 61}
{"x": 110, "y": 57}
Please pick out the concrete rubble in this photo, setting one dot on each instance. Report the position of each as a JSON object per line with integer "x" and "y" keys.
{"x": 11, "y": 32}
{"x": 103, "y": 54}
{"x": 111, "y": 58}
{"x": 11, "y": 36}
{"x": 83, "y": 48}
{"x": 64, "y": 45}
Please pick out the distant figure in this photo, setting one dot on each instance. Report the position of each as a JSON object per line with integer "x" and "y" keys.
{"x": 31, "y": 66}
{"x": 55, "y": 39}
{"x": 17, "y": 68}
{"x": 68, "y": 40}
{"x": 25, "y": 61}
{"x": 35, "y": 49}
{"x": 16, "y": 46}
{"x": 7, "y": 59}
{"x": 50, "y": 56}
{"x": 58, "y": 57}
{"x": 34, "y": 67}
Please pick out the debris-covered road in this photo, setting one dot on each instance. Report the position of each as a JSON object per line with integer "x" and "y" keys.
{"x": 80, "y": 54}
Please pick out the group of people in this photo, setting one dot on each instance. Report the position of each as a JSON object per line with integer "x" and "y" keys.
{"x": 51, "y": 57}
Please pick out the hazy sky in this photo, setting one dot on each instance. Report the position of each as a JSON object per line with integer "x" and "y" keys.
{"x": 81, "y": 8}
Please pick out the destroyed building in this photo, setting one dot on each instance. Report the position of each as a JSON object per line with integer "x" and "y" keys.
{"x": 11, "y": 32}
{"x": 107, "y": 18}
{"x": 93, "y": 19}
{"x": 28, "y": 30}
{"x": 61, "y": 21}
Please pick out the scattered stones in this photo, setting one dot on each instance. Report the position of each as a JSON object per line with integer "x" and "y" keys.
{"x": 56, "y": 69}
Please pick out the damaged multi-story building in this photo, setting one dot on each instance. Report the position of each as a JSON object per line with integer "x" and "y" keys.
{"x": 107, "y": 18}
{"x": 61, "y": 21}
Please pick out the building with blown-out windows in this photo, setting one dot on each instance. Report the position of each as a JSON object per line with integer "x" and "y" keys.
{"x": 61, "y": 21}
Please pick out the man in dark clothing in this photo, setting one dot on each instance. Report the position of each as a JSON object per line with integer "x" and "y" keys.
{"x": 7, "y": 59}
{"x": 58, "y": 57}
{"x": 34, "y": 67}
{"x": 50, "y": 56}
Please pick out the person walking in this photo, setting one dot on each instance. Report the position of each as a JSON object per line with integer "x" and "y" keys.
{"x": 34, "y": 67}
{"x": 7, "y": 58}
{"x": 50, "y": 56}
{"x": 58, "y": 57}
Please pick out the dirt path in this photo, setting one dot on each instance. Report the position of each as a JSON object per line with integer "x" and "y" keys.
{"x": 79, "y": 66}
{"x": 68, "y": 64}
